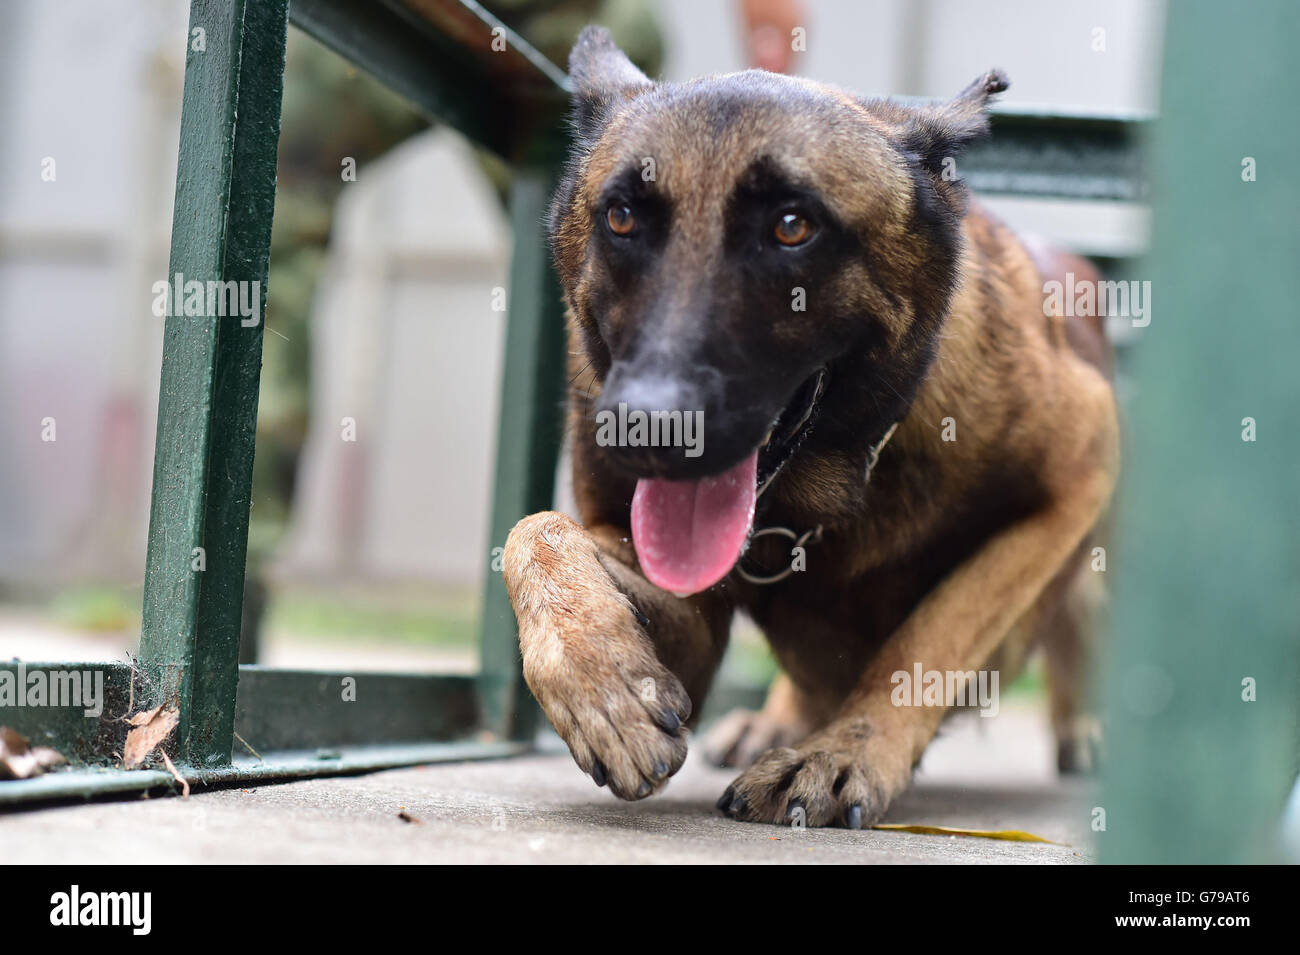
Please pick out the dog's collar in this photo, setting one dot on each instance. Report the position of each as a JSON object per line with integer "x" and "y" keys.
{"x": 807, "y": 537}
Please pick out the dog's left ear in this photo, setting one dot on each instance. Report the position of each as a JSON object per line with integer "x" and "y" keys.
{"x": 936, "y": 135}
{"x": 602, "y": 77}
{"x": 944, "y": 130}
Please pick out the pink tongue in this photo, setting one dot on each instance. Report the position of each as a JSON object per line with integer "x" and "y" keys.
{"x": 689, "y": 534}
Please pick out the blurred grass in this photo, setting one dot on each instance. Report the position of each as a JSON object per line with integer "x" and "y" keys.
{"x": 749, "y": 662}
{"x": 437, "y": 619}
{"x": 427, "y": 617}
{"x": 98, "y": 608}
{"x": 1032, "y": 683}
{"x": 415, "y": 617}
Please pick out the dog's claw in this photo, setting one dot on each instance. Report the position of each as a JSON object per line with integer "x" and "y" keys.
{"x": 660, "y": 769}
{"x": 793, "y": 807}
{"x": 853, "y": 818}
{"x": 643, "y": 790}
{"x": 670, "y": 721}
{"x": 598, "y": 773}
{"x": 724, "y": 801}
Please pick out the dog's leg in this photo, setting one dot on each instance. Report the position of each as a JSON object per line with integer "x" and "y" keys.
{"x": 848, "y": 772}
{"x": 742, "y": 735}
{"x": 1068, "y": 638}
{"x": 616, "y": 664}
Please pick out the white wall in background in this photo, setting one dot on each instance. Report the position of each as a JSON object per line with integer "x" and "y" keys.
{"x": 406, "y": 339}
{"x": 95, "y": 85}
{"x": 407, "y": 344}
{"x": 935, "y": 47}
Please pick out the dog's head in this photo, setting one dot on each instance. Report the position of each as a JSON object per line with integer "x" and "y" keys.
{"x": 752, "y": 250}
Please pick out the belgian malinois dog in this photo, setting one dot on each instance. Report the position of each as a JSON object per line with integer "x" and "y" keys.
{"x": 877, "y": 377}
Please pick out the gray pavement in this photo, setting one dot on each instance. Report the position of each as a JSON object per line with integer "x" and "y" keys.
{"x": 987, "y": 774}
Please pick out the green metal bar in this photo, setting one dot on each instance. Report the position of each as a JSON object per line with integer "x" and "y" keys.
{"x": 528, "y": 442}
{"x": 440, "y": 56}
{"x": 207, "y": 413}
{"x": 293, "y": 722}
{"x": 82, "y": 739}
{"x": 1204, "y": 681}
{"x": 82, "y": 784}
{"x": 284, "y": 711}
{"x": 299, "y": 709}
{"x": 1059, "y": 156}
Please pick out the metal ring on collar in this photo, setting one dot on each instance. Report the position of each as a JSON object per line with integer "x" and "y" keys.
{"x": 799, "y": 540}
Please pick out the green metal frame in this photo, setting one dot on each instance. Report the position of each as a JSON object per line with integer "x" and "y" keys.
{"x": 438, "y": 54}
{"x": 1059, "y": 155}
{"x": 207, "y": 412}
{"x": 1198, "y": 768}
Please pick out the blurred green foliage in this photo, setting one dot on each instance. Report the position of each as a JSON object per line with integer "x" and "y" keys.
{"x": 98, "y": 607}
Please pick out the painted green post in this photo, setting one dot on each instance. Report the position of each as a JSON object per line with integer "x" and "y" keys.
{"x": 528, "y": 441}
{"x": 1204, "y": 678}
{"x": 207, "y": 410}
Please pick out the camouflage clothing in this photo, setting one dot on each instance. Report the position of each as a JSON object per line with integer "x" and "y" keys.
{"x": 332, "y": 110}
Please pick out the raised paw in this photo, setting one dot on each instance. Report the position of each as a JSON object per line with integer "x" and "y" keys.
{"x": 590, "y": 664}
{"x": 623, "y": 726}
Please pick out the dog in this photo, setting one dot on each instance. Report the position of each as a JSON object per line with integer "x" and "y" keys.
{"x": 883, "y": 393}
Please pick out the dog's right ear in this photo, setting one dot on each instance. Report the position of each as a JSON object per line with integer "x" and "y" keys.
{"x": 602, "y": 77}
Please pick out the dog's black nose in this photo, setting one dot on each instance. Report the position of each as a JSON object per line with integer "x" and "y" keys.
{"x": 647, "y": 392}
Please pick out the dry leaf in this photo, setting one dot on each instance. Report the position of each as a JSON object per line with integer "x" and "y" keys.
{"x": 1009, "y": 835}
{"x": 171, "y": 768}
{"x": 151, "y": 728}
{"x": 144, "y": 716}
{"x": 20, "y": 760}
{"x": 48, "y": 757}
{"x": 407, "y": 817}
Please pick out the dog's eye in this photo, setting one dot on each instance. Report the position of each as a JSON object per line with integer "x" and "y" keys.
{"x": 620, "y": 219}
{"x": 793, "y": 229}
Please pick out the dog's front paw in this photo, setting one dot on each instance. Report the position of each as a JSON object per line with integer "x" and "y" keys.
{"x": 589, "y": 663}
{"x": 820, "y": 783}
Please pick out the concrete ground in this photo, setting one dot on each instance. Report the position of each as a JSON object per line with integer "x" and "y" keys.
{"x": 981, "y": 773}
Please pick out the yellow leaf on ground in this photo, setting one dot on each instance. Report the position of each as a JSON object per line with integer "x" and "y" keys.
{"x": 1009, "y": 835}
